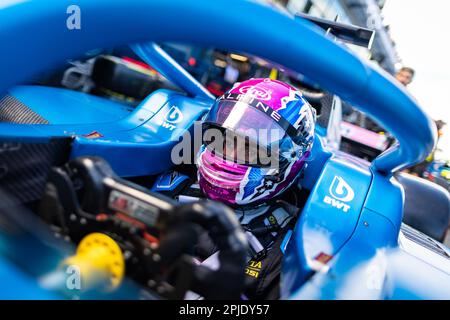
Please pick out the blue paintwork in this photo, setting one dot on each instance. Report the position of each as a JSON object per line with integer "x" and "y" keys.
{"x": 134, "y": 143}
{"x": 363, "y": 241}
{"x": 323, "y": 228}
{"x": 372, "y": 266}
{"x": 368, "y": 262}
{"x": 386, "y": 198}
{"x": 68, "y": 107}
{"x": 349, "y": 275}
{"x": 20, "y": 285}
{"x": 145, "y": 149}
{"x": 410, "y": 283}
{"x": 315, "y": 163}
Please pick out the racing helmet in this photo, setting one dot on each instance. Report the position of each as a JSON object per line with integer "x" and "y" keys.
{"x": 256, "y": 140}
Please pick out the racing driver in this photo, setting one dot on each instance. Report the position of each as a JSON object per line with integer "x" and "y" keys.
{"x": 253, "y": 176}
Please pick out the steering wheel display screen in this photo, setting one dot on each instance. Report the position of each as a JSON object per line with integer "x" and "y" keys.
{"x": 133, "y": 207}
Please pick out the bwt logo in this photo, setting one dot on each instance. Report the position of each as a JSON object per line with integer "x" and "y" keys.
{"x": 340, "y": 193}
{"x": 172, "y": 117}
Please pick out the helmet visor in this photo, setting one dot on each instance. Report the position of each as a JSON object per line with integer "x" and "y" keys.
{"x": 243, "y": 134}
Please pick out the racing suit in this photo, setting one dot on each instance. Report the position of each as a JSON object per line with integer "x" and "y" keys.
{"x": 268, "y": 229}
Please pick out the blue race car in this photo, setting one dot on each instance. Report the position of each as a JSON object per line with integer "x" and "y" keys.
{"x": 76, "y": 169}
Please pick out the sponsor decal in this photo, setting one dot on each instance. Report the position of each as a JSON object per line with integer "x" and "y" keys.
{"x": 256, "y": 92}
{"x": 93, "y": 135}
{"x": 340, "y": 194}
{"x": 319, "y": 263}
{"x": 171, "y": 118}
{"x": 253, "y": 268}
{"x": 322, "y": 257}
{"x": 174, "y": 115}
{"x": 341, "y": 190}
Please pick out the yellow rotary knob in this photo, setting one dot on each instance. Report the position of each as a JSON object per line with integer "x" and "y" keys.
{"x": 100, "y": 262}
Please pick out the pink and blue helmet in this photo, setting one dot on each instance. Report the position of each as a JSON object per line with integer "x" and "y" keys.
{"x": 260, "y": 135}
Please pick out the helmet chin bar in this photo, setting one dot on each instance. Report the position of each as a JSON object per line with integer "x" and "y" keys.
{"x": 153, "y": 234}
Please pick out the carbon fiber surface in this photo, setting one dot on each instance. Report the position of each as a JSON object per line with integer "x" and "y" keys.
{"x": 14, "y": 111}
{"x": 24, "y": 166}
{"x": 326, "y": 106}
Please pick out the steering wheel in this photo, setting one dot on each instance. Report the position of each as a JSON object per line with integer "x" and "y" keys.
{"x": 109, "y": 215}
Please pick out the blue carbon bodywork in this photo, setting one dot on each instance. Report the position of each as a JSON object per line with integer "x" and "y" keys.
{"x": 68, "y": 107}
{"x": 147, "y": 148}
{"x": 370, "y": 258}
{"x": 334, "y": 252}
{"x": 21, "y": 285}
{"x": 135, "y": 142}
{"x": 325, "y": 224}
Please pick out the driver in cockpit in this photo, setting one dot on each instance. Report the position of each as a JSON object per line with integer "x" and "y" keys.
{"x": 260, "y": 137}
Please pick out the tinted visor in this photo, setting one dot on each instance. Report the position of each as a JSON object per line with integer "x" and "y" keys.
{"x": 243, "y": 134}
